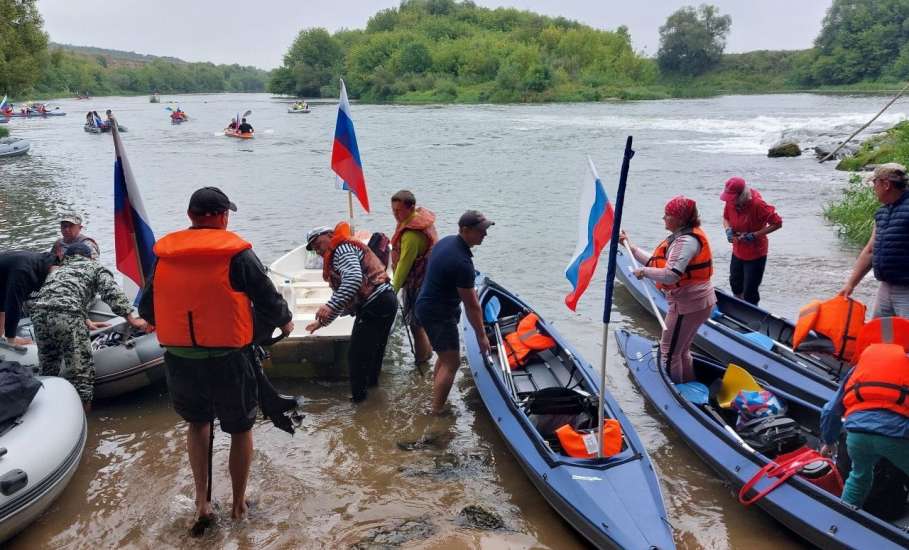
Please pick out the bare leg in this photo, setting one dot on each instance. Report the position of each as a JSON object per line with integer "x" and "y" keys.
{"x": 443, "y": 377}
{"x": 197, "y": 445}
{"x": 421, "y": 345}
{"x": 241, "y": 452}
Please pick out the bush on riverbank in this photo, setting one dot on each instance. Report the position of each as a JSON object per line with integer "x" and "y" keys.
{"x": 853, "y": 213}
{"x": 3, "y": 132}
{"x": 891, "y": 146}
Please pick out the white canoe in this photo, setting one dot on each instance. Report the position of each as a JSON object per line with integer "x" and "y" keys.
{"x": 42, "y": 451}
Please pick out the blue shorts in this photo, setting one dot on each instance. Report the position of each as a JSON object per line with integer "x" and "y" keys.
{"x": 443, "y": 334}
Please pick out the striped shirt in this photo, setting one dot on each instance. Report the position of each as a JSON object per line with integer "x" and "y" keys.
{"x": 347, "y": 261}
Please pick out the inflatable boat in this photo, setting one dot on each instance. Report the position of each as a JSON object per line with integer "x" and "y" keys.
{"x": 39, "y": 453}
{"x": 13, "y": 147}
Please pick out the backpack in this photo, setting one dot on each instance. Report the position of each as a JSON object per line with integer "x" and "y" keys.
{"x": 772, "y": 435}
{"x": 381, "y": 247}
{"x": 18, "y": 387}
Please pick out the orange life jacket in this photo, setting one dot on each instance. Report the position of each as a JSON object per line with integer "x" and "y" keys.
{"x": 880, "y": 381}
{"x": 839, "y": 318}
{"x": 423, "y": 221}
{"x": 886, "y": 330}
{"x": 699, "y": 269}
{"x": 584, "y": 444}
{"x": 195, "y": 304}
{"x": 374, "y": 273}
{"x": 525, "y": 339}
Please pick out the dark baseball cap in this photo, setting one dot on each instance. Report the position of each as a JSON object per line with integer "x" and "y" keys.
{"x": 210, "y": 200}
{"x": 474, "y": 218}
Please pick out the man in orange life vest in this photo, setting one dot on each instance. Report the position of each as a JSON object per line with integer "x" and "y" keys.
{"x": 201, "y": 298}
{"x": 410, "y": 247}
{"x": 872, "y": 399}
{"x": 360, "y": 287}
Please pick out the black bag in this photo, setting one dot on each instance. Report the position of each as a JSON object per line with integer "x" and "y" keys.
{"x": 381, "y": 247}
{"x": 887, "y": 497}
{"x": 18, "y": 387}
{"x": 772, "y": 435}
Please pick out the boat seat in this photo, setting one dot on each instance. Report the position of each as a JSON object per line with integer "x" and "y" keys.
{"x": 310, "y": 301}
{"x": 561, "y": 372}
{"x": 310, "y": 284}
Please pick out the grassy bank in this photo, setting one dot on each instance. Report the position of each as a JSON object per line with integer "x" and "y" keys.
{"x": 3, "y": 132}
{"x": 891, "y": 146}
{"x": 853, "y": 213}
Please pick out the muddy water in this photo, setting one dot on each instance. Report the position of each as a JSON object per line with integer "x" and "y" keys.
{"x": 343, "y": 480}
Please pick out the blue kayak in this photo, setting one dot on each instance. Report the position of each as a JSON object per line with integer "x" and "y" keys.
{"x": 754, "y": 339}
{"x": 614, "y": 502}
{"x": 807, "y": 509}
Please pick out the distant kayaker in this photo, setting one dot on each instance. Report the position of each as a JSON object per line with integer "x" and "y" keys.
{"x": 89, "y": 119}
{"x": 206, "y": 284}
{"x": 887, "y": 251}
{"x": 747, "y": 220}
{"x": 360, "y": 287}
{"x": 681, "y": 266}
{"x": 411, "y": 244}
{"x": 871, "y": 400}
{"x": 21, "y": 273}
{"x": 245, "y": 127}
{"x": 232, "y": 125}
{"x": 71, "y": 231}
{"x": 449, "y": 281}
{"x": 60, "y": 314}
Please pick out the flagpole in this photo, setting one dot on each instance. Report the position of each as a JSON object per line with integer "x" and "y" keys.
{"x": 350, "y": 215}
{"x": 610, "y": 278}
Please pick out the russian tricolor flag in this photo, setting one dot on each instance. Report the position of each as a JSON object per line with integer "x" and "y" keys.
{"x": 594, "y": 231}
{"x": 133, "y": 237}
{"x": 345, "y": 156}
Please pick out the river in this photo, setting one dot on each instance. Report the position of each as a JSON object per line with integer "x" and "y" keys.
{"x": 342, "y": 477}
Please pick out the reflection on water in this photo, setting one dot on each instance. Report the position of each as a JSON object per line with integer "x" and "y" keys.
{"x": 342, "y": 478}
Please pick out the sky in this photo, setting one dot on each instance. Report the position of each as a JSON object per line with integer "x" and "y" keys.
{"x": 259, "y": 33}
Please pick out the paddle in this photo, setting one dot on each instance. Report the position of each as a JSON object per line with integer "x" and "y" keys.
{"x": 491, "y": 315}
{"x": 635, "y": 265}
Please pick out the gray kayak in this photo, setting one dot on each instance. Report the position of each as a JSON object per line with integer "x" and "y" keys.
{"x": 125, "y": 359}
{"x": 13, "y": 147}
{"x": 102, "y": 130}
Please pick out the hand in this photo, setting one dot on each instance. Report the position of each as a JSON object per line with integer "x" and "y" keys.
{"x": 288, "y": 328}
{"x": 748, "y": 237}
{"x": 828, "y": 450}
{"x": 638, "y": 273}
{"x": 138, "y": 323}
{"x": 19, "y": 341}
{"x": 91, "y": 325}
{"x": 483, "y": 342}
{"x": 623, "y": 237}
{"x": 313, "y": 326}
{"x": 847, "y": 290}
{"x": 730, "y": 236}
{"x": 324, "y": 313}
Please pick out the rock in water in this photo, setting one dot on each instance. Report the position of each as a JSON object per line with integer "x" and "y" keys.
{"x": 480, "y": 518}
{"x": 786, "y": 149}
{"x": 396, "y": 534}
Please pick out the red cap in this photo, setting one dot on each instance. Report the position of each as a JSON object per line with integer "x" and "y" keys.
{"x": 680, "y": 208}
{"x": 734, "y": 188}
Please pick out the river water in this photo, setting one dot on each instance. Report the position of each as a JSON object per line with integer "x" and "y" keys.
{"x": 342, "y": 478}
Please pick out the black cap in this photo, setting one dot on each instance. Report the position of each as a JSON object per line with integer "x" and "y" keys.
{"x": 474, "y": 218}
{"x": 210, "y": 200}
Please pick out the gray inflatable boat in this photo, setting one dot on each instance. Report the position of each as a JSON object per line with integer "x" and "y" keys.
{"x": 13, "y": 147}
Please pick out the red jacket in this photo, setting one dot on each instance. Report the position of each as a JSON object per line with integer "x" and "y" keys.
{"x": 748, "y": 218}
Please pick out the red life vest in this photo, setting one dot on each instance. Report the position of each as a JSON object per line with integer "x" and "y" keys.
{"x": 525, "y": 339}
{"x": 422, "y": 220}
{"x": 886, "y": 330}
{"x": 699, "y": 269}
{"x": 374, "y": 273}
{"x": 839, "y": 318}
{"x": 584, "y": 444}
{"x": 880, "y": 381}
{"x": 195, "y": 304}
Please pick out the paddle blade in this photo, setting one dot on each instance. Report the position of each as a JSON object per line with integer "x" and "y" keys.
{"x": 247, "y": 113}
{"x": 695, "y": 392}
{"x": 492, "y": 309}
{"x": 761, "y": 340}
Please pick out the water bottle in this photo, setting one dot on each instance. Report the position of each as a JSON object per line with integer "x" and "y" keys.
{"x": 287, "y": 291}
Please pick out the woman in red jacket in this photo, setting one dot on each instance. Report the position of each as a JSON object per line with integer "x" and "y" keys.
{"x": 748, "y": 220}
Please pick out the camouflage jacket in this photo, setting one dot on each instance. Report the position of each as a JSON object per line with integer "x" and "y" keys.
{"x": 73, "y": 286}
{"x": 60, "y": 247}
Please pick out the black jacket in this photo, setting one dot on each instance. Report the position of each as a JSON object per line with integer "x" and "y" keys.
{"x": 21, "y": 273}
{"x": 247, "y": 275}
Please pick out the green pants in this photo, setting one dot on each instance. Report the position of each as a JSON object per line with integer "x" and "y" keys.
{"x": 63, "y": 338}
{"x": 865, "y": 450}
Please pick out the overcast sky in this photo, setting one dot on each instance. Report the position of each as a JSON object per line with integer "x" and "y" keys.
{"x": 259, "y": 33}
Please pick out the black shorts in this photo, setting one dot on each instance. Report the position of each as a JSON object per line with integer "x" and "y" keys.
{"x": 443, "y": 334}
{"x": 218, "y": 387}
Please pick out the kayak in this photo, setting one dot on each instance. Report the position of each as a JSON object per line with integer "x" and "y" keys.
{"x": 240, "y": 135}
{"x": 178, "y": 120}
{"x": 30, "y": 114}
{"x": 755, "y": 339}
{"x": 101, "y": 130}
{"x": 13, "y": 147}
{"x": 41, "y": 452}
{"x": 615, "y": 501}
{"x": 125, "y": 359}
{"x": 307, "y": 110}
{"x": 805, "y": 507}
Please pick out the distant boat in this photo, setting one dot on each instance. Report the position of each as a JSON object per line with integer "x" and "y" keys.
{"x": 155, "y": 98}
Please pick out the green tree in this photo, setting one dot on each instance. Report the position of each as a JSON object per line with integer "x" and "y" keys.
{"x": 313, "y": 60}
{"x": 692, "y": 40}
{"x": 23, "y": 46}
